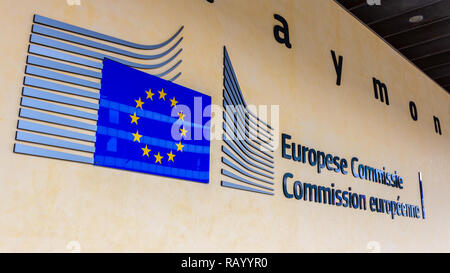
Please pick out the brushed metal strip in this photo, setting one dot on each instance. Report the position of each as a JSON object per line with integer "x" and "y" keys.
{"x": 47, "y": 52}
{"x": 37, "y": 71}
{"x": 229, "y": 80}
{"x": 79, "y": 30}
{"x": 248, "y": 118}
{"x": 236, "y": 159}
{"x": 233, "y": 141}
{"x": 227, "y": 63}
{"x": 421, "y": 195}
{"x": 228, "y": 139}
{"x": 42, "y": 105}
{"x": 36, "y": 115}
{"x": 246, "y": 127}
{"x": 246, "y": 137}
{"x": 89, "y": 43}
{"x": 240, "y": 135}
{"x": 169, "y": 70}
{"x": 236, "y": 168}
{"x": 36, "y": 151}
{"x": 85, "y": 52}
{"x": 236, "y": 99}
{"x": 239, "y": 122}
{"x": 242, "y": 142}
{"x": 259, "y": 120}
{"x": 227, "y": 117}
{"x": 229, "y": 73}
{"x": 243, "y": 180}
{"x": 175, "y": 77}
{"x": 247, "y": 157}
{"x": 229, "y": 101}
{"x": 62, "y": 67}
{"x": 245, "y": 117}
{"x": 41, "y": 83}
{"x": 244, "y": 188}
{"x": 44, "y": 140}
{"x": 31, "y": 92}
{"x": 45, "y": 129}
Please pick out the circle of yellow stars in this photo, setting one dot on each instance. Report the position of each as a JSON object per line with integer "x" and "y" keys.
{"x": 137, "y": 137}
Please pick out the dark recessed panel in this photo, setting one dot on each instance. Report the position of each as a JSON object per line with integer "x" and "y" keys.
{"x": 424, "y": 41}
{"x": 433, "y": 60}
{"x": 350, "y": 4}
{"x": 418, "y": 51}
{"x": 400, "y": 23}
{"x": 421, "y": 33}
{"x": 445, "y": 81}
{"x": 388, "y": 8}
{"x": 439, "y": 71}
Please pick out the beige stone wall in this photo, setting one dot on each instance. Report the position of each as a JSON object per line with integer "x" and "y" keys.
{"x": 45, "y": 204}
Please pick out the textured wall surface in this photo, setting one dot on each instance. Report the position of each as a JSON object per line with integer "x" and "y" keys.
{"x": 45, "y": 204}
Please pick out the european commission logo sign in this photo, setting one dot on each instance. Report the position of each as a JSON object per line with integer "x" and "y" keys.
{"x": 84, "y": 102}
{"x": 248, "y": 161}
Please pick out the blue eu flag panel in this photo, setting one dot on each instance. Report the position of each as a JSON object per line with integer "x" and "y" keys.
{"x": 150, "y": 125}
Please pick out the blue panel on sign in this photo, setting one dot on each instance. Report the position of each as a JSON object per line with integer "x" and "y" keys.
{"x": 113, "y": 116}
{"x": 151, "y": 125}
{"x": 112, "y": 145}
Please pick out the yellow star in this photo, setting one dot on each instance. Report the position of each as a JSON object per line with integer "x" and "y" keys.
{"x": 171, "y": 156}
{"x": 134, "y": 118}
{"x": 174, "y": 102}
{"x": 162, "y": 95}
{"x": 149, "y": 94}
{"x": 137, "y": 137}
{"x": 183, "y": 132}
{"x": 146, "y": 150}
{"x": 181, "y": 116}
{"x": 158, "y": 158}
{"x": 179, "y": 147}
{"x": 139, "y": 103}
